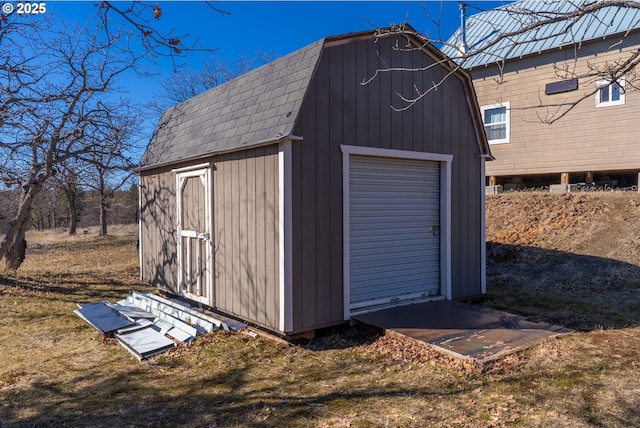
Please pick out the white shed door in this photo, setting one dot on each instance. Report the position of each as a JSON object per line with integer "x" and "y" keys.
{"x": 394, "y": 230}
{"x": 194, "y": 236}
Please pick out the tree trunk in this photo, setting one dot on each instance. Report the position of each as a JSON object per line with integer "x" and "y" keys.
{"x": 73, "y": 217}
{"x": 103, "y": 218}
{"x": 69, "y": 186}
{"x": 15, "y": 255}
{"x": 17, "y": 226}
{"x": 102, "y": 204}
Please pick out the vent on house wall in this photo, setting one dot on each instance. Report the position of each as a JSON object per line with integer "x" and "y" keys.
{"x": 560, "y": 87}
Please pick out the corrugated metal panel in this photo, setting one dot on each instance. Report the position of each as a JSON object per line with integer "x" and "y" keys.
{"x": 393, "y": 254}
{"x": 486, "y": 27}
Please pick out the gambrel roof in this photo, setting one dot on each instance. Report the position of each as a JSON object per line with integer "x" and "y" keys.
{"x": 259, "y": 106}
{"x": 485, "y": 30}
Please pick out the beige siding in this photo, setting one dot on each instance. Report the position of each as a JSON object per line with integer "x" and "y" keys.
{"x": 245, "y": 233}
{"x": 338, "y": 110}
{"x": 158, "y": 230}
{"x": 586, "y": 139}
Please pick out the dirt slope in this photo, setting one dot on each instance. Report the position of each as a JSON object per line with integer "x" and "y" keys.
{"x": 571, "y": 259}
{"x": 595, "y": 224}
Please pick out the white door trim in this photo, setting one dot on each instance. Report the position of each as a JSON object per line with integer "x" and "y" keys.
{"x": 140, "y": 220}
{"x": 445, "y": 212}
{"x": 206, "y": 176}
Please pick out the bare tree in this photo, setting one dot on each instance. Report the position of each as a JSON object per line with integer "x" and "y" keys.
{"x": 538, "y": 21}
{"x": 67, "y": 180}
{"x": 186, "y": 83}
{"x": 110, "y": 159}
{"x": 48, "y": 208}
{"x": 54, "y": 83}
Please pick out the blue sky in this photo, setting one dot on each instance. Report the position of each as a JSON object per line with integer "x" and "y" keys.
{"x": 284, "y": 26}
{"x": 274, "y": 27}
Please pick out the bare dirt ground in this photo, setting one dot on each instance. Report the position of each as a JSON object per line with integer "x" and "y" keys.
{"x": 564, "y": 259}
{"x": 569, "y": 259}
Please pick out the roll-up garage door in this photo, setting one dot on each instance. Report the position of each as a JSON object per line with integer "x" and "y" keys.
{"x": 394, "y": 210}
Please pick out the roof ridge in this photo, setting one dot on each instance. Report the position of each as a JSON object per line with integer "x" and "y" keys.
{"x": 255, "y": 108}
{"x": 252, "y": 72}
{"x": 485, "y": 29}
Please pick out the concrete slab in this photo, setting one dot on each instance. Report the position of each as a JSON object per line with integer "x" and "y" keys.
{"x": 463, "y": 330}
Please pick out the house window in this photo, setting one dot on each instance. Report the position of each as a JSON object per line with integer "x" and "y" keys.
{"x": 610, "y": 94}
{"x": 496, "y": 123}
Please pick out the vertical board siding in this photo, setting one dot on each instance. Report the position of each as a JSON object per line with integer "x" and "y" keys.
{"x": 246, "y": 233}
{"x": 344, "y": 128}
{"x": 308, "y": 232}
{"x": 586, "y": 139}
{"x": 296, "y": 217}
{"x": 158, "y": 230}
{"x": 272, "y": 234}
{"x": 371, "y": 92}
{"x": 234, "y": 205}
{"x": 258, "y": 219}
{"x": 407, "y": 62}
{"x": 322, "y": 233}
{"x": 337, "y": 110}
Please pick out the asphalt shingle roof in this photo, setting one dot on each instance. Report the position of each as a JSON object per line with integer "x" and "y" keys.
{"x": 486, "y": 27}
{"x": 252, "y": 109}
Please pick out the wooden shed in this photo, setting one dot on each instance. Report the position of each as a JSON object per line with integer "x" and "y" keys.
{"x": 294, "y": 196}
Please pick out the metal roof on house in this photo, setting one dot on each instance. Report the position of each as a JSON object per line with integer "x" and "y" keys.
{"x": 254, "y": 108}
{"x": 497, "y": 34}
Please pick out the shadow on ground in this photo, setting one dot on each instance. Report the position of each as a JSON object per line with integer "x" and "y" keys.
{"x": 577, "y": 291}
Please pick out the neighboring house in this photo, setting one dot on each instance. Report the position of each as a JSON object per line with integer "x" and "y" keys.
{"x": 524, "y": 81}
{"x": 293, "y": 196}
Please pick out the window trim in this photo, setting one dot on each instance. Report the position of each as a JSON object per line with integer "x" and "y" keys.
{"x": 507, "y": 122}
{"x": 607, "y": 83}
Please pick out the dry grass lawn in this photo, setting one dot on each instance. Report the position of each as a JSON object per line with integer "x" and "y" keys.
{"x": 57, "y": 371}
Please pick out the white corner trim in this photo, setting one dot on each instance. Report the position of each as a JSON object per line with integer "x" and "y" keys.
{"x": 285, "y": 238}
{"x": 483, "y": 232}
{"x": 141, "y": 273}
{"x": 445, "y": 213}
{"x": 211, "y": 242}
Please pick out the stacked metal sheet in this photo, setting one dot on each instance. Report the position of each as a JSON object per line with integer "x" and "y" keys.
{"x": 103, "y": 317}
{"x": 147, "y": 325}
